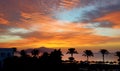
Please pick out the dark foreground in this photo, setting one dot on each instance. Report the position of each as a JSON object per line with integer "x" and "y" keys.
{"x": 52, "y": 62}
{"x": 61, "y": 67}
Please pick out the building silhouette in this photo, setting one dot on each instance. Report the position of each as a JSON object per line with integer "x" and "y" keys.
{"x": 4, "y": 53}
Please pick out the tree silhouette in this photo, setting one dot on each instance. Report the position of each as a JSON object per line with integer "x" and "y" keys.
{"x": 71, "y": 51}
{"x": 103, "y": 52}
{"x": 88, "y": 53}
{"x": 44, "y": 59}
{"x": 56, "y": 56}
{"x": 118, "y": 54}
{"x": 35, "y": 52}
{"x": 23, "y": 53}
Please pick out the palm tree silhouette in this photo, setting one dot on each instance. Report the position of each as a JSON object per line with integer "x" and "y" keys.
{"x": 71, "y": 51}
{"x": 35, "y": 52}
{"x": 118, "y": 54}
{"x": 23, "y": 53}
{"x": 103, "y": 52}
{"x": 88, "y": 53}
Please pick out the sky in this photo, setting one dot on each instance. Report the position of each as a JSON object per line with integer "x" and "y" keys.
{"x": 81, "y": 24}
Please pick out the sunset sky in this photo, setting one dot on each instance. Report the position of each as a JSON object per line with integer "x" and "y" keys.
{"x": 84, "y": 24}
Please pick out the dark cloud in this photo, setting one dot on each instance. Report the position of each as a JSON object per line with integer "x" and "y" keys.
{"x": 3, "y": 29}
{"x": 104, "y": 24}
{"x": 10, "y": 10}
{"x": 110, "y": 8}
{"x": 101, "y": 9}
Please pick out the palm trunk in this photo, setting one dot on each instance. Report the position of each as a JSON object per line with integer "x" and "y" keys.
{"x": 71, "y": 55}
{"x": 87, "y": 58}
{"x": 103, "y": 58}
{"x": 119, "y": 61}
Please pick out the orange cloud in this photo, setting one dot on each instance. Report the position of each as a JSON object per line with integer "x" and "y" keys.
{"x": 44, "y": 23}
{"x": 69, "y": 4}
{"x": 113, "y": 17}
{"x": 26, "y": 15}
{"x": 3, "y": 21}
{"x": 53, "y": 40}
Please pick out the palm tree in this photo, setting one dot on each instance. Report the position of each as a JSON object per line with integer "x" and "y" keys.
{"x": 118, "y": 54}
{"x": 23, "y": 53}
{"x": 35, "y": 52}
{"x": 103, "y": 52}
{"x": 71, "y": 51}
{"x": 56, "y": 56}
{"x": 88, "y": 53}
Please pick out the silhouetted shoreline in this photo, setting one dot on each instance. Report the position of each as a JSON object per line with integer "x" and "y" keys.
{"x": 53, "y": 62}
